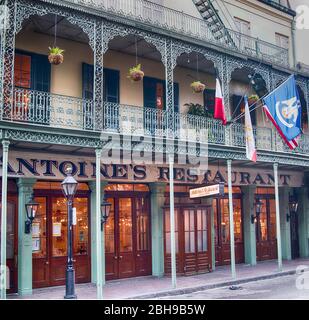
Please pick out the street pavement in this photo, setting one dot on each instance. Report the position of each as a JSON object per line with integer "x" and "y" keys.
{"x": 278, "y": 288}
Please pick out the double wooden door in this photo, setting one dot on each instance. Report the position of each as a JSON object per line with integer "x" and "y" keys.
{"x": 128, "y": 237}
{"x": 49, "y": 240}
{"x": 193, "y": 240}
{"x": 266, "y": 238}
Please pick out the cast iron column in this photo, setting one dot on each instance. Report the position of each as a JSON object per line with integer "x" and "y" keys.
{"x": 70, "y": 272}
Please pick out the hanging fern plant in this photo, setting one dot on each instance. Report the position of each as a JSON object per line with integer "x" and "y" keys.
{"x": 136, "y": 74}
{"x": 198, "y": 86}
{"x": 55, "y": 55}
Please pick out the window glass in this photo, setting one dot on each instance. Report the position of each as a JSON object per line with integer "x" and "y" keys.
{"x": 44, "y": 185}
{"x": 39, "y": 234}
{"x": 127, "y": 187}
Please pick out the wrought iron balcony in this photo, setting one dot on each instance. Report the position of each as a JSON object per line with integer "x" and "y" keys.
{"x": 62, "y": 112}
{"x": 175, "y": 21}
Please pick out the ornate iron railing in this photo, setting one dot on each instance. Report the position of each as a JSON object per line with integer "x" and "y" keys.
{"x": 58, "y": 111}
{"x": 184, "y": 24}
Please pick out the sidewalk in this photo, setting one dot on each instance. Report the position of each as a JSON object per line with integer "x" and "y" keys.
{"x": 151, "y": 287}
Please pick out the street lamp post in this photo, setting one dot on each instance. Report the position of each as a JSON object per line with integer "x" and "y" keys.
{"x": 105, "y": 210}
{"x": 69, "y": 187}
{"x": 258, "y": 210}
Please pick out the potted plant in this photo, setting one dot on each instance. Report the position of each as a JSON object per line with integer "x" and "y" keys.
{"x": 195, "y": 109}
{"x": 55, "y": 55}
{"x": 198, "y": 86}
{"x": 136, "y": 74}
{"x": 253, "y": 99}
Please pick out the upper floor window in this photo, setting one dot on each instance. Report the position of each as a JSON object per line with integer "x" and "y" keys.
{"x": 32, "y": 71}
{"x": 22, "y": 71}
{"x": 282, "y": 41}
{"x": 242, "y": 26}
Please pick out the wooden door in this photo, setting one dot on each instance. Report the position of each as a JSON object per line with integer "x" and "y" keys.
{"x": 111, "y": 254}
{"x": 40, "y": 247}
{"x": 193, "y": 240}
{"x": 222, "y": 231}
{"x": 167, "y": 242}
{"x": 127, "y": 238}
{"x": 266, "y": 244}
{"x": 49, "y": 235}
{"x": 294, "y": 235}
{"x": 197, "y": 240}
{"x": 126, "y": 261}
{"x": 11, "y": 247}
{"x": 143, "y": 258}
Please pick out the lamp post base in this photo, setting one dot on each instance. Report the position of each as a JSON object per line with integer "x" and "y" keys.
{"x": 70, "y": 284}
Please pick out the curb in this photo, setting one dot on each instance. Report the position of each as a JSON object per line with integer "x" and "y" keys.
{"x": 176, "y": 292}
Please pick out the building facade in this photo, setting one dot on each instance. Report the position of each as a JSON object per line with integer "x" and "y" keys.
{"x": 77, "y": 112}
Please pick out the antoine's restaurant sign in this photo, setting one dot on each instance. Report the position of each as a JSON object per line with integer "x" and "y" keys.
{"x": 46, "y": 167}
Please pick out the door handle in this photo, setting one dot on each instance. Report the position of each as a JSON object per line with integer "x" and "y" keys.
{"x": 73, "y": 260}
{"x": 138, "y": 255}
{"x": 115, "y": 257}
{"x": 120, "y": 257}
{"x": 47, "y": 262}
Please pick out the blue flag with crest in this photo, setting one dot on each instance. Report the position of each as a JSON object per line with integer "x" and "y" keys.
{"x": 283, "y": 108}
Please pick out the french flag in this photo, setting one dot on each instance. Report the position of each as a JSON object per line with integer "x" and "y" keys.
{"x": 219, "y": 104}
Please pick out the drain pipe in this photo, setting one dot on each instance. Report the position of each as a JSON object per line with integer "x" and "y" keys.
{"x": 294, "y": 53}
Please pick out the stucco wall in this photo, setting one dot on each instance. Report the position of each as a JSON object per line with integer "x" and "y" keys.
{"x": 66, "y": 79}
{"x": 301, "y": 35}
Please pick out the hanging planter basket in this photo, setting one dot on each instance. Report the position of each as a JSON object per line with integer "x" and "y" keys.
{"x": 198, "y": 86}
{"x": 55, "y": 56}
{"x": 253, "y": 99}
{"x": 136, "y": 74}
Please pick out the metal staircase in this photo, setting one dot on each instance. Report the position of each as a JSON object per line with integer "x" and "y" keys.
{"x": 217, "y": 27}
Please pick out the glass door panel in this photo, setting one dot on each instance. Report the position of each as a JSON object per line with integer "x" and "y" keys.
{"x": 110, "y": 229}
{"x": 125, "y": 225}
{"x": 225, "y": 221}
{"x": 189, "y": 227}
{"x": 272, "y": 219}
{"x": 202, "y": 230}
{"x": 142, "y": 225}
{"x": 59, "y": 227}
{"x": 10, "y": 240}
{"x": 80, "y": 234}
{"x": 168, "y": 231}
{"x": 39, "y": 233}
{"x": 263, "y": 223}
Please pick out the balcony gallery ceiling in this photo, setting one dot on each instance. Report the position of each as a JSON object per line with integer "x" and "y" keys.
{"x": 65, "y": 30}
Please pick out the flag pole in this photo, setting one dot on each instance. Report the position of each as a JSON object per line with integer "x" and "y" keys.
{"x": 278, "y": 217}
{"x": 232, "y": 237}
